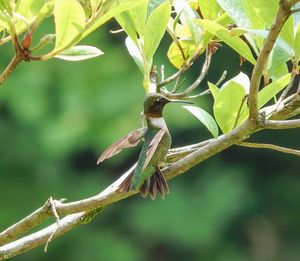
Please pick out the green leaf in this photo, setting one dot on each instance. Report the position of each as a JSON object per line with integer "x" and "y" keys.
{"x": 235, "y": 43}
{"x": 203, "y": 116}
{"x": 187, "y": 17}
{"x": 227, "y": 104}
{"x": 69, "y": 23}
{"x": 79, "y": 53}
{"x": 267, "y": 10}
{"x": 29, "y": 8}
{"x": 95, "y": 4}
{"x": 277, "y": 66}
{"x": 297, "y": 42}
{"x": 155, "y": 28}
{"x": 243, "y": 14}
{"x": 5, "y": 21}
{"x": 153, "y": 4}
{"x": 214, "y": 90}
{"x": 134, "y": 53}
{"x": 209, "y": 9}
{"x": 127, "y": 23}
{"x": 133, "y": 20}
{"x": 174, "y": 53}
{"x": 266, "y": 94}
{"x": 128, "y": 5}
{"x": 242, "y": 79}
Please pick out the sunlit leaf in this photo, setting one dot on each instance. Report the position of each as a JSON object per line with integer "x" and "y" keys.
{"x": 152, "y": 4}
{"x": 227, "y": 104}
{"x": 235, "y": 43}
{"x": 214, "y": 90}
{"x": 297, "y": 41}
{"x": 277, "y": 66}
{"x": 127, "y": 23}
{"x": 267, "y": 94}
{"x": 242, "y": 79}
{"x": 69, "y": 23}
{"x": 5, "y": 21}
{"x": 135, "y": 53}
{"x": 29, "y": 8}
{"x": 209, "y": 9}
{"x": 79, "y": 52}
{"x": 155, "y": 28}
{"x": 111, "y": 13}
{"x": 175, "y": 54}
{"x": 187, "y": 17}
{"x": 95, "y": 4}
{"x": 203, "y": 116}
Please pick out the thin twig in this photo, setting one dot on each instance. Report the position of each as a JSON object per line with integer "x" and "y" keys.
{"x": 239, "y": 110}
{"x": 200, "y": 78}
{"x": 269, "y": 146}
{"x": 162, "y": 72}
{"x": 203, "y": 72}
{"x": 10, "y": 67}
{"x": 287, "y": 124}
{"x": 289, "y": 87}
{"x": 54, "y": 212}
{"x": 116, "y": 31}
{"x": 295, "y": 10}
{"x": 183, "y": 69}
{"x": 177, "y": 85}
{"x": 222, "y": 78}
{"x": 176, "y": 41}
{"x": 206, "y": 92}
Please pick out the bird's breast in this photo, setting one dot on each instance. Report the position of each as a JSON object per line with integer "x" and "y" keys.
{"x": 158, "y": 122}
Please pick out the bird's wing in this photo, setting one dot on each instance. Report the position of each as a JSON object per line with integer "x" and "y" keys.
{"x": 153, "y": 146}
{"x": 152, "y": 139}
{"x": 130, "y": 140}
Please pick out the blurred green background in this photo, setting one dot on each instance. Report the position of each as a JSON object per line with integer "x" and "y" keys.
{"x": 56, "y": 117}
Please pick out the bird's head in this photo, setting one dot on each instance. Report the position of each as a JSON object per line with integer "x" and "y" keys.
{"x": 155, "y": 102}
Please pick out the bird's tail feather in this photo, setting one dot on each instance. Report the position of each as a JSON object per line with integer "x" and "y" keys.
{"x": 156, "y": 183}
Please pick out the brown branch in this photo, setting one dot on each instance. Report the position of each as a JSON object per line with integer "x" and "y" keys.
{"x": 9, "y": 69}
{"x": 291, "y": 106}
{"x": 207, "y": 91}
{"x": 287, "y": 124}
{"x": 290, "y": 85}
{"x": 269, "y": 146}
{"x": 281, "y": 17}
{"x": 239, "y": 110}
{"x": 196, "y": 83}
{"x": 39, "y": 238}
{"x": 182, "y": 70}
{"x": 176, "y": 41}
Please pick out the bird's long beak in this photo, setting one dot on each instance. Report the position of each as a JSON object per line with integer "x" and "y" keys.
{"x": 181, "y": 101}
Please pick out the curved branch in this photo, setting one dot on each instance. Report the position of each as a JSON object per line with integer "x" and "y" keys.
{"x": 200, "y": 78}
{"x": 9, "y": 69}
{"x": 269, "y": 146}
{"x": 183, "y": 69}
{"x": 281, "y": 17}
{"x": 36, "y": 239}
{"x": 287, "y": 124}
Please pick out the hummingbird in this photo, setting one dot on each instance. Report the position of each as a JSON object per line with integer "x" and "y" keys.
{"x": 147, "y": 176}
